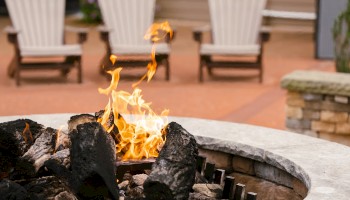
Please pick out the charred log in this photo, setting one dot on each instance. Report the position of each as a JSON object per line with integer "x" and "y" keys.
{"x": 29, "y": 164}
{"x": 110, "y": 123}
{"x": 173, "y": 173}
{"x": 75, "y": 120}
{"x": 12, "y": 190}
{"x": 93, "y": 161}
{"x": 47, "y": 188}
{"x": 14, "y": 142}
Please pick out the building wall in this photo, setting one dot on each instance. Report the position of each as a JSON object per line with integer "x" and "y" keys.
{"x": 197, "y": 10}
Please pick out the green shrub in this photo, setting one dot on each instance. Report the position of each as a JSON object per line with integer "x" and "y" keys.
{"x": 91, "y": 11}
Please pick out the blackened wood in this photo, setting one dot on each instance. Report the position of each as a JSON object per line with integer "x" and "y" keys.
{"x": 219, "y": 176}
{"x": 114, "y": 132}
{"x": 239, "y": 192}
{"x": 228, "y": 188}
{"x": 30, "y": 163}
{"x": 93, "y": 161}
{"x": 75, "y": 120}
{"x": 11, "y": 138}
{"x": 252, "y": 196}
{"x": 12, "y": 190}
{"x": 201, "y": 163}
{"x": 209, "y": 171}
{"x": 46, "y": 188}
{"x": 173, "y": 173}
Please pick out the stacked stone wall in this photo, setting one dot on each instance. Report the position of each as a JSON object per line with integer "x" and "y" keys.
{"x": 318, "y": 105}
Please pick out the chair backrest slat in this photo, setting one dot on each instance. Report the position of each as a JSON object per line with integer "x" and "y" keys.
{"x": 40, "y": 22}
{"x": 128, "y": 20}
{"x": 236, "y": 22}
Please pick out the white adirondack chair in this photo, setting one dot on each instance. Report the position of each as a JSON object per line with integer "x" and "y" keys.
{"x": 235, "y": 31}
{"x": 38, "y": 31}
{"x": 125, "y": 23}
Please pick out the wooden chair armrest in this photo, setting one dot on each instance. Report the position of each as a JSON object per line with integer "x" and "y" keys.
{"x": 82, "y": 33}
{"x": 11, "y": 34}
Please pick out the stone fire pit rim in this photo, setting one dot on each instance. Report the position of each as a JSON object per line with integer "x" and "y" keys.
{"x": 323, "y": 166}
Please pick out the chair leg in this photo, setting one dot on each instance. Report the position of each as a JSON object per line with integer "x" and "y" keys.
{"x": 17, "y": 75}
{"x": 210, "y": 71}
{"x": 201, "y": 65}
{"x": 167, "y": 69}
{"x": 261, "y": 74}
{"x": 11, "y": 69}
{"x": 80, "y": 79}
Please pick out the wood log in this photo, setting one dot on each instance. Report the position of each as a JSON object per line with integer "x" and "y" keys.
{"x": 29, "y": 164}
{"x": 48, "y": 187}
{"x": 173, "y": 173}
{"x": 75, "y": 120}
{"x": 93, "y": 162}
{"x": 12, "y": 190}
{"x": 13, "y": 144}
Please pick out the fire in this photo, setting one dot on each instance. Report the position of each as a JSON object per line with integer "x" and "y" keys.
{"x": 144, "y": 137}
{"x": 27, "y": 135}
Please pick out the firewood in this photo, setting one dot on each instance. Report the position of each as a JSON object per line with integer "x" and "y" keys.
{"x": 30, "y": 163}
{"x": 93, "y": 160}
{"x": 13, "y": 144}
{"x": 173, "y": 173}
{"x": 47, "y": 187}
{"x": 75, "y": 120}
{"x": 12, "y": 190}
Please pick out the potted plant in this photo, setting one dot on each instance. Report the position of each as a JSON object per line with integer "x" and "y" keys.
{"x": 341, "y": 37}
{"x": 91, "y": 11}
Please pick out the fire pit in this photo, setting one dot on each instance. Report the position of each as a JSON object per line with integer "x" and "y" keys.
{"x": 309, "y": 167}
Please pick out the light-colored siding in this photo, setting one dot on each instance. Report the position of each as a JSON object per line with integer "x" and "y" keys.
{"x": 198, "y": 10}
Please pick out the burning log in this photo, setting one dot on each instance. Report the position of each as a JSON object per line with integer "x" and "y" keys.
{"x": 12, "y": 190}
{"x": 14, "y": 141}
{"x": 30, "y": 163}
{"x": 173, "y": 173}
{"x": 93, "y": 161}
{"x": 75, "y": 120}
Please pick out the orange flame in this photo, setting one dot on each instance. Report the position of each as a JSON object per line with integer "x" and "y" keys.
{"x": 156, "y": 33}
{"x": 27, "y": 135}
{"x": 144, "y": 137}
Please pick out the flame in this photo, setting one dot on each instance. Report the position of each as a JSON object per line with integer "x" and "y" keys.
{"x": 143, "y": 138}
{"x": 58, "y": 138}
{"x": 27, "y": 135}
{"x": 155, "y": 33}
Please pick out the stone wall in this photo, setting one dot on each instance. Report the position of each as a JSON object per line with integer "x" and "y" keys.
{"x": 268, "y": 181}
{"x": 318, "y": 104}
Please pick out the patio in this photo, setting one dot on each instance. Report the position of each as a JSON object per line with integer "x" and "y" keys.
{"x": 235, "y": 99}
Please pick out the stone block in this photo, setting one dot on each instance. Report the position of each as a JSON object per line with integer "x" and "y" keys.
{"x": 271, "y": 173}
{"x": 220, "y": 159}
{"x": 329, "y": 98}
{"x": 323, "y": 126}
{"x": 341, "y": 99}
{"x": 294, "y": 112}
{"x": 243, "y": 165}
{"x": 330, "y": 116}
{"x": 342, "y": 128}
{"x": 311, "y": 114}
{"x": 312, "y": 97}
{"x": 310, "y": 133}
{"x": 296, "y": 102}
{"x": 341, "y": 139}
{"x": 293, "y": 94}
{"x": 298, "y": 124}
{"x": 313, "y": 105}
{"x": 337, "y": 107}
{"x": 299, "y": 187}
